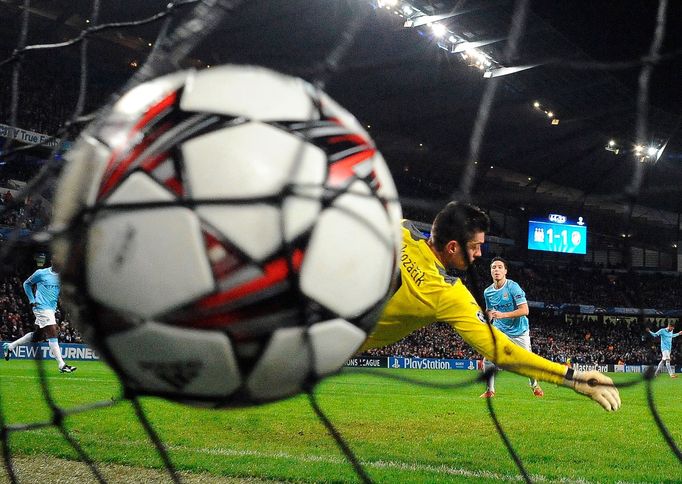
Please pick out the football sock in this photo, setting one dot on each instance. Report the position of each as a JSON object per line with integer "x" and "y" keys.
{"x": 56, "y": 352}
{"x": 667, "y": 365}
{"x": 27, "y": 338}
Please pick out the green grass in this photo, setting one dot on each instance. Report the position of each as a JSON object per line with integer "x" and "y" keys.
{"x": 401, "y": 432}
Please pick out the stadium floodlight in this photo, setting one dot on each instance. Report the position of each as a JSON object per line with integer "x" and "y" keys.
{"x": 439, "y": 30}
{"x": 427, "y": 19}
{"x": 415, "y": 18}
{"x": 477, "y": 58}
{"x": 651, "y": 153}
{"x": 536, "y": 104}
{"x": 612, "y": 146}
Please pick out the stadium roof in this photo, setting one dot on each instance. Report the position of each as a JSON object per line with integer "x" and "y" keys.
{"x": 421, "y": 101}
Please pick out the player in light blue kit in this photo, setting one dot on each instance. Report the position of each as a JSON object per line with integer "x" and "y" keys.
{"x": 507, "y": 308}
{"x": 666, "y": 335}
{"x": 44, "y": 304}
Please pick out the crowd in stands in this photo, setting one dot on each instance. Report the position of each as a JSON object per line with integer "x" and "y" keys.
{"x": 557, "y": 339}
{"x": 29, "y": 213}
{"x": 594, "y": 286}
{"x": 552, "y": 337}
{"x": 567, "y": 284}
{"x": 438, "y": 340}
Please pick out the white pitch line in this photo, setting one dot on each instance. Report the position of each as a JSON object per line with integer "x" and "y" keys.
{"x": 442, "y": 469}
{"x": 55, "y": 377}
{"x": 381, "y": 464}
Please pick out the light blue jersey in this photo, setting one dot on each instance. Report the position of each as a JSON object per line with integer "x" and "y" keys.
{"x": 47, "y": 286}
{"x": 666, "y": 338}
{"x": 507, "y": 299}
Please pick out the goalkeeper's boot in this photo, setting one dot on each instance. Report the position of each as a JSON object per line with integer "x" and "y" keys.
{"x": 5, "y": 351}
{"x": 67, "y": 369}
{"x": 537, "y": 391}
{"x": 487, "y": 394}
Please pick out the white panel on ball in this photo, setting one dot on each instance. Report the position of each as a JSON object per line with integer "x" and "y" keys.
{"x": 283, "y": 366}
{"x": 146, "y": 261}
{"x": 301, "y": 210}
{"x": 163, "y": 358}
{"x": 334, "y": 341}
{"x": 250, "y": 160}
{"x": 254, "y": 160}
{"x": 255, "y": 229}
{"x": 252, "y": 92}
{"x": 332, "y": 273}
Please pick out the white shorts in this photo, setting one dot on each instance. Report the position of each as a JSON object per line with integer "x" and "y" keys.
{"x": 666, "y": 354}
{"x": 44, "y": 317}
{"x": 523, "y": 341}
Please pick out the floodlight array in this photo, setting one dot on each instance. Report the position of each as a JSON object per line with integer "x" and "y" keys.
{"x": 446, "y": 39}
{"x": 549, "y": 112}
{"x": 643, "y": 153}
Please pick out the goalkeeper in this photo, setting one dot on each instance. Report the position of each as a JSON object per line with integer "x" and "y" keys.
{"x": 427, "y": 292}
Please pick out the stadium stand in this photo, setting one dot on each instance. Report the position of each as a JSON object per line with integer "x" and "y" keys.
{"x": 554, "y": 291}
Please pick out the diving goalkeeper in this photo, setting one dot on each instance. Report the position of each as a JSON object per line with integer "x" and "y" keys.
{"x": 427, "y": 293}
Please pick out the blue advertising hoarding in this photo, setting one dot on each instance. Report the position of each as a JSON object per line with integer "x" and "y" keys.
{"x": 70, "y": 351}
{"x": 430, "y": 363}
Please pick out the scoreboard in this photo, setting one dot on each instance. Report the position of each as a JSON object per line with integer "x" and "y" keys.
{"x": 558, "y": 233}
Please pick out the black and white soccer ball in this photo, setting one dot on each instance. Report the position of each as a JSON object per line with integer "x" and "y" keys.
{"x": 226, "y": 236}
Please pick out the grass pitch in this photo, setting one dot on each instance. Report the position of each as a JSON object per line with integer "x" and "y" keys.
{"x": 401, "y": 432}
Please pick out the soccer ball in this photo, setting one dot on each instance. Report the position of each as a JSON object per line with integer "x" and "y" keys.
{"x": 226, "y": 236}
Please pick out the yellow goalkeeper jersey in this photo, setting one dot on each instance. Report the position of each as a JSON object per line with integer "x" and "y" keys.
{"x": 427, "y": 293}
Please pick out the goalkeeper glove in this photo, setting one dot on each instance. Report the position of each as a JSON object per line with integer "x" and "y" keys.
{"x": 595, "y": 385}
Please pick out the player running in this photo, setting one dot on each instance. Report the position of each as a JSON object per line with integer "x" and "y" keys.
{"x": 44, "y": 305}
{"x": 427, "y": 292}
{"x": 666, "y": 335}
{"x": 507, "y": 308}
